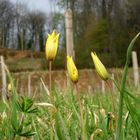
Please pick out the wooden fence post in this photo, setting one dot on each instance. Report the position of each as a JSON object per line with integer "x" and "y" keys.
{"x": 3, "y": 72}
{"x": 69, "y": 38}
{"x": 135, "y": 68}
{"x": 69, "y": 33}
{"x": 113, "y": 85}
{"x": 103, "y": 86}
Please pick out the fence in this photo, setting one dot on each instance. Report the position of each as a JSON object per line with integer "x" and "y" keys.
{"x": 29, "y": 82}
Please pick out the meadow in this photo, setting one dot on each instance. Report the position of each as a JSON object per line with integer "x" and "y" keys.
{"x": 73, "y": 115}
{"x": 30, "y": 118}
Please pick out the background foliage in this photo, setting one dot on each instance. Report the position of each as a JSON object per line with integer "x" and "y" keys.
{"x": 103, "y": 26}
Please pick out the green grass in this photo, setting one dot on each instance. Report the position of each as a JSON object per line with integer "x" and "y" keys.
{"x": 27, "y": 119}
{"x": 26, "y": 64}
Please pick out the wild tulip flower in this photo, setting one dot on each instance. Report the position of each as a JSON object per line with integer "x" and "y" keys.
{"x": 101, "y": 70}
{"x": 52, "y": 45}
{"x": 73, "y": 74}
{"x": 72, "y": 70}
{"x": 51, "y": 51}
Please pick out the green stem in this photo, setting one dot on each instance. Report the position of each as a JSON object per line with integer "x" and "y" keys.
{"x": 50, "y": 81}
{"x": 112, "y": 96}
{"x": 122, "y": 89}
{"x": 51, "y": 99}
{"x": 81, "y": 113}
{"x": 117, "y": 86}
{"x": 14, "y": 137}
{"x": 119, "y": 124}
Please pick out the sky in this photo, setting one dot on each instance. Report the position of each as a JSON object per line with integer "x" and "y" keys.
{"x": 43, "y": 5}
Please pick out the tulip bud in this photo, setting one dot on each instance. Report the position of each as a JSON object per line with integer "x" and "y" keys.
{"x": 72, "y": 70}
{"x": 102, "y": 112}
{"x": 9, "y": 91}
{"x": 52, "y": 46}
{"x": 9, "y": 88}
{"x": 101, "y": 70}
{"x": 99, "y": 132}
{"x": 110, "y": 121}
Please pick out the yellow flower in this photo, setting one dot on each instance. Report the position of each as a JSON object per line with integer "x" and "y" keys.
{"x": 52, "y": 45}
{"x": 9, "y": 87}
{"x": 72, "y": 70}
{"x": 101, "y": 70}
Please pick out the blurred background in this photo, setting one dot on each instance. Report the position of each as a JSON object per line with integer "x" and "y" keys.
{"x": 104, "y": 26}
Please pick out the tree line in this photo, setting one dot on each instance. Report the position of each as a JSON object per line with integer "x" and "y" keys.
{"x": 21, "y": 28}
{"x": 104, "y": 26}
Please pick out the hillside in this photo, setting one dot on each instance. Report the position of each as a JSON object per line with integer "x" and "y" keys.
{"x": 18, "y": 61}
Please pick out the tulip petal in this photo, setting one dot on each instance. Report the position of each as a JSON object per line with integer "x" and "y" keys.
{"x": 101, "y": 70}
{"x": 72, "y": 70}
{"x": 52, "y": 45}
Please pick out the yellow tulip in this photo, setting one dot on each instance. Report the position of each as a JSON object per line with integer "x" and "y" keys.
{"x": 101, "y": 70}
{"x": 72, "y": 70}
{"x": 52, "y": 45}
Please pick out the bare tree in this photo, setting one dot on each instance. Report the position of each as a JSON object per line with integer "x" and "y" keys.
{"x": 6, "y": 21}
{"x": 21, "y": 25}
{"x": 36, "y": 25}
